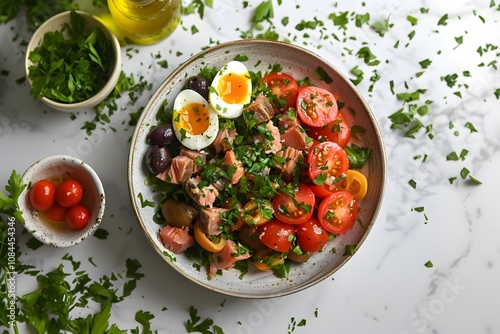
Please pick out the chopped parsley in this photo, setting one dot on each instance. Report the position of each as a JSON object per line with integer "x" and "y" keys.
{"x": 71, "y": 70}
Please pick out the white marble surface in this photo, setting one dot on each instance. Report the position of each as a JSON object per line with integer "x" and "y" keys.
{"x": 386, "y": 287}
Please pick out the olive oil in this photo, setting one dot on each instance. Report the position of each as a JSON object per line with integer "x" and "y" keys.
{"x": 145, "y": 21}
{"x": 56, "y": 226}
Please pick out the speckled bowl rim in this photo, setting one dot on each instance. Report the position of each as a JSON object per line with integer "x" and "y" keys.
{"x": 114, "y": 75}
{"x": 176, "y": 74}
{"x": 69, "y": 238}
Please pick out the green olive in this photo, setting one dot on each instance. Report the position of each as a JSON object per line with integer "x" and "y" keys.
{"x": 292, "y": 256}
{"x": 178, "y": 214}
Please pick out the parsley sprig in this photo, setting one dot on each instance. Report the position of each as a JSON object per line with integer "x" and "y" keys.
{"x": 9, "y": 203}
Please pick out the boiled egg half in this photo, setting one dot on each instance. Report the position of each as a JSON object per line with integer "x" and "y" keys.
{"x": 231, "y": 89}
{"x": 195, "y": 123}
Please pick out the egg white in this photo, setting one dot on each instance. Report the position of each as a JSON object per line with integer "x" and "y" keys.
{"x": 194, "y": 141}
{"x": 222, "y": 108}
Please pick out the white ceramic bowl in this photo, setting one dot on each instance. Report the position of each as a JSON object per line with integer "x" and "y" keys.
{"x": 300, "y": 63}
{"x": 56, "y": 23}
{"x": 63, "y": 167}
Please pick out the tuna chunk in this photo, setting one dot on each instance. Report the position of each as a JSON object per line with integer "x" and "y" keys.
{"x": 204, "y": 197}
{"x": 275, "y": 144}
{"x": 226, "y": 258}
{"x": 286, "y": 122}
{"x": 295, "y": 137}
{"x": 210, "y": 220}
{"x": 224, "y": 140}
{"x": 176, "y": 239}
{"x": 287, "y": 160}
{"x": 230, "y": 160}
{"x": 194, "y": 155}
{"x": 181, "y": 169}
{"x": 261, "y": 108}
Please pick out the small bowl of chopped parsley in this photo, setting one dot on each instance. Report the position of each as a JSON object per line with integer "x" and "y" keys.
{"x": 73, "y": 61}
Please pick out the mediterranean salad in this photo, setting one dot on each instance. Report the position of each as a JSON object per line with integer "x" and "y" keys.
{"x": 253, "y": 169}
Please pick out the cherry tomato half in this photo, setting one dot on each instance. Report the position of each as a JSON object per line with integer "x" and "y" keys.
{"x": 69, "y": 193}
{"x": 338, "y": 212}
{"x": 296, "y": 209}
{"x": 316, "y": 106}
{"x": 311, "y": 236}
{"x": 251, "y": 213}
{"x": 212, "y": 244}
{"x": 337, "y": 131}
{"x": 42, "y": 195}
{"x": 277, "y": 235}
{"x": 328, "y": 160}
{"x": 77, "y": 217}
{"x": 355, "y": 183}
{"x": 265, "y": 259}
{"x": 284, "y": 90}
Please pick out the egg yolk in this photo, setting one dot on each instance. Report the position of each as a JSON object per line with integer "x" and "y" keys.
{"x": 194, "y": 118}
{"x": 233, "y": 88}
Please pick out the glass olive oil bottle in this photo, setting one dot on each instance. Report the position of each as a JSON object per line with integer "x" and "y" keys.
{"x": 146, "y": 21}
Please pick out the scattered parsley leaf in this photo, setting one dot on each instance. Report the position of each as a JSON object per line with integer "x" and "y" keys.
{"x": 425, "y": 63}
{"x": 357, "y": 155}
{"x": 470, "y": 126}
{"x": 263, "y": 12}
{"x": 163, "y": 63}
{"x": 452, "y": 156}
{"x": 497, "y": 93}
{"x": 474, "y": 180}
{"x": 442, "y": 20}
{"x": 322, "y": 75}
{"x": 195, "y": 325}
{"x": 413, "y": 20}
{"x": 350, "y": 250}
{"x": 464, "y": 173}
{"x": 382, "y": 28}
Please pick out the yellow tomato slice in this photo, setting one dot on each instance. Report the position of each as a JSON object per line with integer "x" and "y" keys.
{"x": 355, "y": 183}
{"x": 205, "y": 241}
{"x": 251, "y": 215}
{"x": 261, "y": 266}
{"x": 265, "y": 259}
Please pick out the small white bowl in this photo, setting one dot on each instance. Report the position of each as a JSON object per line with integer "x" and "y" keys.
{"x": 56, "y": 23}
{"x": 63, "y": 167}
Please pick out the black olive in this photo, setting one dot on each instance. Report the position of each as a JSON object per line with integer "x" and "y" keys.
{"x": 161, "y": 135}
{"x": 157, "y": 159}
{"x": 199, "y": 85}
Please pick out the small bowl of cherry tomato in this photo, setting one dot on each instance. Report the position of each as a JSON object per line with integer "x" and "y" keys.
{"x": 64, "y": 201}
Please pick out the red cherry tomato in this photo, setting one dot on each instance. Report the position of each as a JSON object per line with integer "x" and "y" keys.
{"x": 316, "y": 106}
{"x": 322, "y": 191}
{"x": 337, "y": 131}
{"x": 283, "y": 89}
{"x": 338, "y": 212}
{"x": 56, "y": 213}
{"x": 311, "y": 236}
{"x": 69, "y": 193}
{"x": 296, "y": 209}
{"x": 327, "y": 160}
{"x": 277, "y": 235}
{"x": 42, "y": 195}
{"x": 77, "y": 217}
